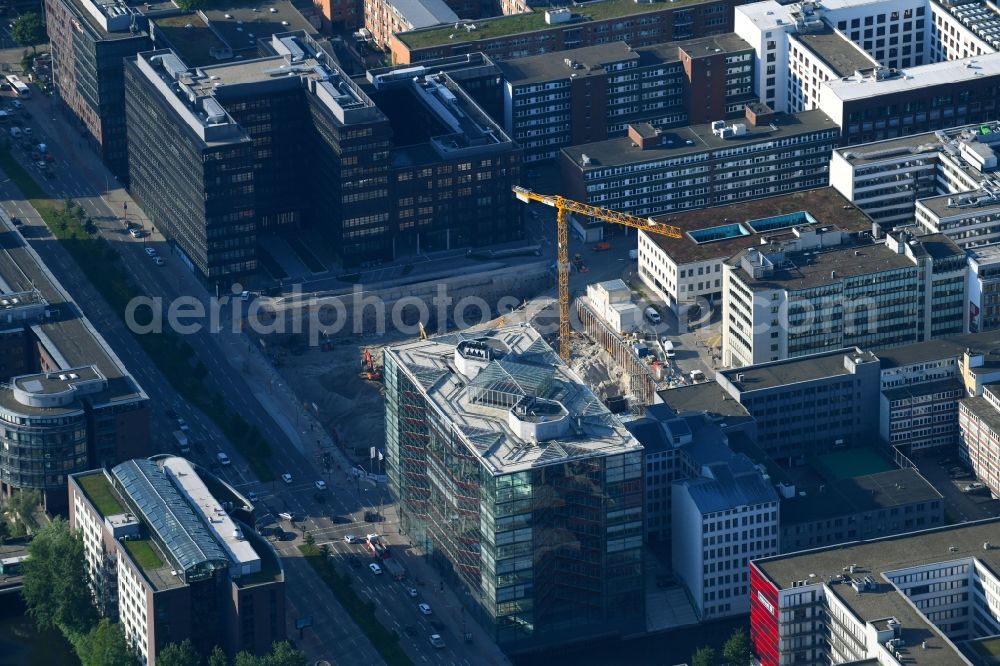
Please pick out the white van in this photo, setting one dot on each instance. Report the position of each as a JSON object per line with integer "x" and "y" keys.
{"x": 222, "y": 458}
{"x": 652, "y": 316}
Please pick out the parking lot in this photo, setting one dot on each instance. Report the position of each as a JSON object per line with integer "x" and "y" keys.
{"x": 960, "y": 506}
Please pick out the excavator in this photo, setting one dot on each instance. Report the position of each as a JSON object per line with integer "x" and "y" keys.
{"x": 369, "y": 370}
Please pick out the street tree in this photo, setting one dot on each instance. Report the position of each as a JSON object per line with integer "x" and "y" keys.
{"x": 179, "y": 654}
{"x": 218, "y": 657}
{"x": 27, "y": 30}
{"x": 55, "y": 581}
{"x": 737, "y": 648}
{"x": 705, "y": 656}
{"x": 105, "y": 645}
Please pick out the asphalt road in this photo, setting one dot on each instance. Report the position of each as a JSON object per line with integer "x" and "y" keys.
{"x": 231, "y": 369}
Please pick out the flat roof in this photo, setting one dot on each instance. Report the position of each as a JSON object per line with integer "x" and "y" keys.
{"x": 942, "y": 207}
{"x": 480, "y": 408}
{"x": 840, "y": 54}
{"x": 424, "y": 13}
{"x": 693, "y": 139}
{"x": 956, "y": 543}
{"x": 66, "y": 334}
{"x": 826, "y": 205}
{"x": 705, "y": 397}
{"x": 892, "y": 151}
{"x": 922, "y": 388}
{"x": 870, "y": 492}
{"x": 819, "y": 267}
{"x": 189, "y": 483}
{"x": 592, "y": 59}
{"x": 550, "y": 66}
{"x": 197, "y": 45}
{"x": 794, "y": 370}
{"x": 917, "y": 78}
{"x": 246, "y": 26}
{"x": 501, "y": 26}
{"x": 982, "y": 408}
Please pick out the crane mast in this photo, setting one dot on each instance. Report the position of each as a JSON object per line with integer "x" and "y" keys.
{"x": 563, "y": 208}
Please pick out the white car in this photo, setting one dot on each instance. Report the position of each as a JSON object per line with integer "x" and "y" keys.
{"x": 17, "y": 104}
{"x": 222, "y": 458}
{"x": 286, "y": 477}
{"x": 436, "y": 641}
{"x": 158, "y": 261}
{"x": 321, "y": 485}
{"x": 150, "y": 252}
{"x": 376, "y": 569}
{"x": 252, "y": 497}
{"x": 425, "y": 609}
{"x": 349, "y": 538}
{"x": 135, "y": 233}
{"x": 181, "y": 423}
{"x": 412, "y": 592}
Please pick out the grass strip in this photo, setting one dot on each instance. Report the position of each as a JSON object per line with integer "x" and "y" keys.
{"x": 103, "y": 267}
{"x": 362, "y": 612}
{"x": 306, "y": 255}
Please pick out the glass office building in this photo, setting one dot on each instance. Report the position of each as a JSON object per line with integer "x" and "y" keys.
{"x": 519, "y": 484}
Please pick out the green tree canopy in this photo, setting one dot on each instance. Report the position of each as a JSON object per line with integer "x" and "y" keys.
{"x": 218, "y": 657}
{"x": 282, "y": 654}
{"x": 737, "y": 648}
{"x": 55, "y": 581}
{"x": 27, "y": 30}
{"x": 705, "y": 656}
{"x": 105, "y": 645}
{"x": 179, "y": 654}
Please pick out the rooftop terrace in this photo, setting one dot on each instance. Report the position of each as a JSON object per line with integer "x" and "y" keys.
{"x": 825, "y": 205}
{"x": 476, "y": 386}
{"x": 502, "y": 26}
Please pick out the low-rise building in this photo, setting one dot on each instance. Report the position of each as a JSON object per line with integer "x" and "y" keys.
{"x": 659, "y": 172}
{"x": 529, "y": 31}
{"x": 588, "y": 94}
{"x": 171, "y": 555}
{"x": 383, "y": 18}
{"x": 822, "y": 289}
{"x": 979, "y": 435}
{"x": 808, "y": 405}
{"x": 67, "y": 402}
{"x": 903, "y": 599}
{"x": 723, "y": 518}
{"x": 683, "y": 271}
{"x": 859, "y": 509}
{"x": 612, "y": 302}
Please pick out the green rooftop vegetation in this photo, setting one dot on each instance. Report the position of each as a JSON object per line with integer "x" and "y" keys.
{"x": 143, "y": 554}
{"x": 98, "y": 489}
{"x": 989, "y": 648}
{"x": 502, "y": 26}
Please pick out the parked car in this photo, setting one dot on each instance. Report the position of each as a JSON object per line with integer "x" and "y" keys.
{"x": 286, "y": 477}
{"x": 412, "y": 592}
{"x": 436, "y": 641}
{"x": 974, "y": 487}
{"x": 350, "y": 538}
{"x": 16, "y": 221}
{"x": 159, "y": 261}
{"x": 135, "y": 233}
{"x": 252, "y": 497}
{"x": 376, "y": 569}
{"x": 150, "y": 252}
{"x": 223, "y": 458}
{"x": 424, "y": 609}
{"x": 652, "y": 316}
{"x": 181, "y": 423}
{"x": 290, "y": 516}
{"x": 321, "y": 485}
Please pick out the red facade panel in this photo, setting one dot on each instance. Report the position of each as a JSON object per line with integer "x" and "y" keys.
{"x": 763, "y": 617}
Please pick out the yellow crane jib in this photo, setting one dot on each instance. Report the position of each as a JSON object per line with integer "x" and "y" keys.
{"x": 565, "y": 206}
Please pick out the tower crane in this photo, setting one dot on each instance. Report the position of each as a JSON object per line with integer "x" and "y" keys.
{"x": 563, "y": 208}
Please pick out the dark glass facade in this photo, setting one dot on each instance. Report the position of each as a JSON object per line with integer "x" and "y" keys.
{"x": 200, "y": 194}
{"x": 547, "y": 555}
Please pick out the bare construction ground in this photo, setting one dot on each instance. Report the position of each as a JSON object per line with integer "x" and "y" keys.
{"x": 354, "y": 407}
